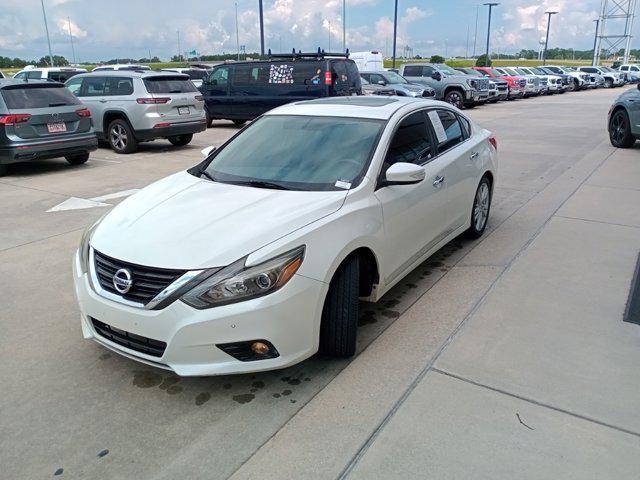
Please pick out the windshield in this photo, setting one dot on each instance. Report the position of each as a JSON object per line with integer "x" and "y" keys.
{"x": 298, "y": 153}
{"x": 511, "y": 71}
{"x": 471, "y": 72}
{"x": 447, "y": 69}
{"x": 393, "y": 77}
{"x": 519, "y": 71}
{"x": 538, "y": 71}
{"x": 495, "y": 72}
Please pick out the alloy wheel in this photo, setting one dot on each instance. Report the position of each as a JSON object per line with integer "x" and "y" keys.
{"x": 119, "y": 137}
{"x": 618, "y": 128}
{"x": 455, "y": 99}
{"x": 481, "y": 210}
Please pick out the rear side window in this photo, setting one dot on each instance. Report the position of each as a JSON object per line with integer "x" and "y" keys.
{"x": 38, "y": 97}
{"x": 169, "y": 85}
{"x": 251, "y": 74}
{"x": 118, "y": 86}
{"x": 412, "y": 71}
{"x": 93, "y": 86}
{"x": 449, "y": 131}
{"x": 61, "y": 76}
{"x": 411, "y": 143}
{"x": 34, "y": 75}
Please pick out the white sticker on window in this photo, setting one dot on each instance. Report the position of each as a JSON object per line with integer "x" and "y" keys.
{"x": 437, "y": 126}
{"x": 343, "y": 184}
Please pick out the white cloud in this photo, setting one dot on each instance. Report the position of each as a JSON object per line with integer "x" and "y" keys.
{"x": 64, "y": 25}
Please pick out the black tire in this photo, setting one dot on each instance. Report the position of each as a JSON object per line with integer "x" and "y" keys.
{"x": 480, "y": 206}
{"x": 208, "y": 116}
{"x": 181, "y": 140}
{"x": 576, "y": 85}
{"x": 455, "y": 98}
{"x": 3, "y": 170}
{"x": 239, "y": 122}
{"x": 340, "y": 312}
{"x": 78, "y": 159}
{"x": 121, "y": 138}
{"x": 608, "y": 83}
{"x": 620, "y": 130}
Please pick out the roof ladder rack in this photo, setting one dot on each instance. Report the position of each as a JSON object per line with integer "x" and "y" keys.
{"x": 320, "y": 54}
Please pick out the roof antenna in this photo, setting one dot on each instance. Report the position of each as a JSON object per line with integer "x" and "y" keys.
{"x": 347, "y": 53}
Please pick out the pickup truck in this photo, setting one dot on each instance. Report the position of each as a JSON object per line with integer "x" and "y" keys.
{"x": 450, "y": 85}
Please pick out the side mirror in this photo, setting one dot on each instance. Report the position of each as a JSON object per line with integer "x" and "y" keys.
{"x": 382, "y": 82}
{"x": 403, "y": 173}
{"x": 436, "y": 76}
{"x": 213, "y": 81}
{"x": 206, "y": 151}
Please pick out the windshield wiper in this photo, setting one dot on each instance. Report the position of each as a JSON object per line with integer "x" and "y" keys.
{"x": 206, "y": 174}
{"x": 260, "y": 184}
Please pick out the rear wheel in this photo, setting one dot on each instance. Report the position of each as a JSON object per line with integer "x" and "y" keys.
{"x": 239, "y": 122}
{"x": 480, "y": 210}
{"x": 608, "y": 83}
{"x": 78, "y": 159}
{"x": 180, "y": 140}
{"x": 121, "y": 137}
{"x": 340, "y": 312}
{"x": 620, "y": 130}
{"x": 208, "y": 116}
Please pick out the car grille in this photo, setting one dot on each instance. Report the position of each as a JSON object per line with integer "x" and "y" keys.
{"x": 522, "y": 82}
{"x": 141, "y": 344}
{"x": 483, "y": 84}
{"x": 148, "y": 282}
{"x": 543, "y": 81}
{"x": 503, "y": 86}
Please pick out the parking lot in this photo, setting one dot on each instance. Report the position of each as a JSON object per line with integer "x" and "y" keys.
{"x": 73, "y": 408}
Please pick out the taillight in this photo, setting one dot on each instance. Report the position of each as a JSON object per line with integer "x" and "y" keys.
{"x": 494, "y": 142}
{"x": 152, "y": 101}
{"x": 199, "y": 98}
{"x": 14, "y": 118}
{"x": 84, "y": 112}
{"x": 161, "y": 125}
{"x": 328, "y": 78}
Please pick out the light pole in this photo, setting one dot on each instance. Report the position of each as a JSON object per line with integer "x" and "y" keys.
{"x": 344, "y": 26}
{"x": 262, "y": 29}
{"x": 46, "y": 27}
{"x": 179, "y": 48}
{"x": 546, "y": 42}
{"x": 237, "y": 34}
{"x": 73, "y": 50}
{"x": 329, "y": 22}
{"x": 475, "y": 35}
{"x": 595, "y": 43}
{"x": 490, "y": 5}
{"x": 395, "y": 33}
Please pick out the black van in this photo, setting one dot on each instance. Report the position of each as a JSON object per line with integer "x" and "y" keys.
{"x": 240, "y": 91}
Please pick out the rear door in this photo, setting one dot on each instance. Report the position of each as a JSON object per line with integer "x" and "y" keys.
{"x": 180, "y": 95}
{"x": 345, "y": 81}
{"x": 51, "y": 109}
{"x": 92, "y": 95}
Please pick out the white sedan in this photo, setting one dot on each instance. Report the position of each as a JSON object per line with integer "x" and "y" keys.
{"x": 256, "y": 258}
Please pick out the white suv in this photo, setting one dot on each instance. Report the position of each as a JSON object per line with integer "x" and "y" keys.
{"x": 58, "y": 74}
{"x": 130, "y": 107}
{"x": 255, "y": 259}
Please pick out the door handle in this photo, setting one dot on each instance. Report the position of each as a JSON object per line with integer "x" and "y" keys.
{"x": 438, "y": 181}
{"x": 474, "y": 155}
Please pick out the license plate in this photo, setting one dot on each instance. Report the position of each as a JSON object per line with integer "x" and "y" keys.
{"x": 57, "y": 127}
{"x": 183, "y": 110}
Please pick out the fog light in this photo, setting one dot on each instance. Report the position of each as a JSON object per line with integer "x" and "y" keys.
{"x": 260, "y": 348}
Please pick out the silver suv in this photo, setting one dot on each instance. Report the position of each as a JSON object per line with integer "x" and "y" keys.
{"x": 130, "y": 107}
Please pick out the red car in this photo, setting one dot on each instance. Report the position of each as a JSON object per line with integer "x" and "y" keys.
{"x": 516, "y": 84}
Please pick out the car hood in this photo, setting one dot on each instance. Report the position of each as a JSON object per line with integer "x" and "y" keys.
{"x": 410, "y": 87}
{"x": 187, "y": 223}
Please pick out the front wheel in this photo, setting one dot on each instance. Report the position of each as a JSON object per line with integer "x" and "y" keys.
{"x": 78, "y": 159}
{"x": 455, "y": 98}
{"x": 340, "y": 312}
{"x": 620, "y": 130}
{"x": 480, "y": 210}
{"x": 180, "y": 140}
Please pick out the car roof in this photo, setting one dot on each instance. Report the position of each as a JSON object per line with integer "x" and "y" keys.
{"x": 359, "y": 106}
{"x": 132, "y": 73}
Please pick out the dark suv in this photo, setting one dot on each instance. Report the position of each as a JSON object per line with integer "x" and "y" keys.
{"x": 241, "y": 91}
{"x": 42, "y": 119}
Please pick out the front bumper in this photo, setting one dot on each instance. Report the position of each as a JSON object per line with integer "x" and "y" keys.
{"x": 288, "y": 318}
{"x": 476, "y": 96}
{"x": 51, "y": 148}
{"x": 172, "y": 130}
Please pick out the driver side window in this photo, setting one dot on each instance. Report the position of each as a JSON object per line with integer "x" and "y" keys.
{"x": 376, "y": 78}
{"x": 411, "y": 143}
{"x": 220, "y": 76}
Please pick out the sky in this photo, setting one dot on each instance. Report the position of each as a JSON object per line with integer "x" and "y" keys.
{"x": 108, "y": 29}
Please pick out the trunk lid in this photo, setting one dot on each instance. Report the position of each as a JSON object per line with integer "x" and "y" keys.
{"x": 176, "y": 97}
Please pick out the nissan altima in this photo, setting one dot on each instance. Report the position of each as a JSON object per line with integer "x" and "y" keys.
{"x": 257, "y": 258}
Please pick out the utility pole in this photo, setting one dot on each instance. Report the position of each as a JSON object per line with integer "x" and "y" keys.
{"x": 344, "y": 26}
{"x": 466, "y": 50}
{"x": 46, "y": 27}
{"x": 73, "y": 50}
{"x": 490, "y": 5}
{"x": 237, "y": 34}
{"x": 546, "y": 42}
{"x": 262, "y": 29}
{"x": 395, "y": 33}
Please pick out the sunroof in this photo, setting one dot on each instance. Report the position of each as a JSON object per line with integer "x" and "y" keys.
{"x": 360, "y": 101}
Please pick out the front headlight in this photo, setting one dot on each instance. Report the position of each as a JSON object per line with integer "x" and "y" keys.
{"x": 83, "y": 250}
{"x": 472, "y": 83}
{"x": 237, "y": 283}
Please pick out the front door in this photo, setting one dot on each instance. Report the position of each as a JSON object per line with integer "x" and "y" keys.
{"x": 413, "y": 214}
{"x": 216, "y": 92}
